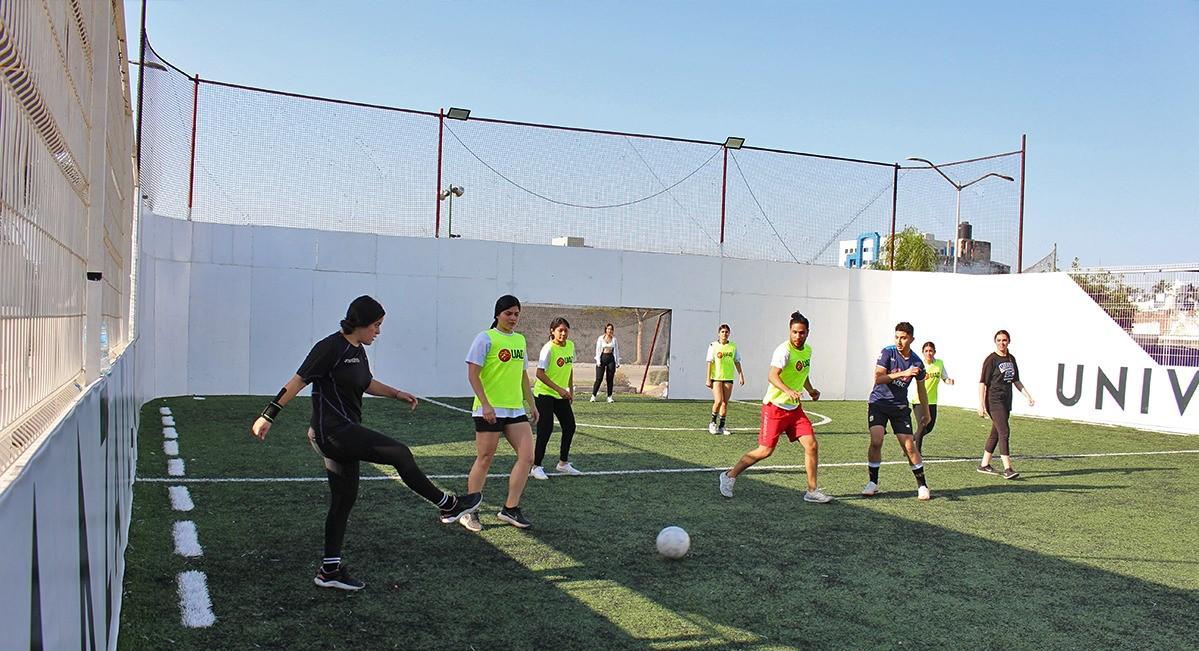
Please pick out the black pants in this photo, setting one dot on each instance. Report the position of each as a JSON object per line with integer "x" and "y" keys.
{"x": 927, "y": 429}
{"x": 999, "y": 429}
{"x": 560, "y": 408}
{"x": 605, "y": 370}
{"x": 343, "y": 448}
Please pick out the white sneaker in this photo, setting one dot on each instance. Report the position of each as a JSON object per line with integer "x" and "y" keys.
{"x": 726, "y": 484}
{"x": 870, "y": 490}
{"x": 816, "y": 496}
{"x": 610, "y": 399}
{"x": 712, "y": 429}
{"x": 923, "y": 494}
{"x": 724, "y": 431}
{"x": 592, "y": 397}
{"x": 538, "y": 473}
{"x": 565, "y": 468}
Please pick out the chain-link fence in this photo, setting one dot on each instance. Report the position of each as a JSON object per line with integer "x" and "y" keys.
{"x": 1158, "y": 307}
{"x": 219, "y": 152}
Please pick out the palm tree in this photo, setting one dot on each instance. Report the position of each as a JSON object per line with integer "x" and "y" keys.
{"x": 912, "y": 252}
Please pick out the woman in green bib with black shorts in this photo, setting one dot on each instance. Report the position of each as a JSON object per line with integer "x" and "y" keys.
{"x": 724, "y": 360}
{"x": 495, "y": 367}
{"x": 553, "y": 393}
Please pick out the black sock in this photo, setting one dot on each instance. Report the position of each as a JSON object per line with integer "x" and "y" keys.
{"x": 447, "y": 502}
{"x": 874, "y": 473}
{"x": 510, "y": 508}
{"x": 714, "y": 417}
{"x": 722, "y": 422}
{"x": 330, "y": 565}
{"x": 918, "y": 470}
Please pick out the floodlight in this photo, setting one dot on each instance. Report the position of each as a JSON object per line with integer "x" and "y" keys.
{"x": 458, "y": 114}
{"x": 733, "y": 142}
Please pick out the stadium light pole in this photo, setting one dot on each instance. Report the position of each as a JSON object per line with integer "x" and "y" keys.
{"x": 957, "y": 211}
{"x": 449, "y": 193}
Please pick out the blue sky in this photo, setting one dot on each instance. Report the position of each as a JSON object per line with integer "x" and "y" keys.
{"x": 1108, "y": 92}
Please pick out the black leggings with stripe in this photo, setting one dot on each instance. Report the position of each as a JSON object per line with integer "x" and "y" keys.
{"x": 343, "y": 448}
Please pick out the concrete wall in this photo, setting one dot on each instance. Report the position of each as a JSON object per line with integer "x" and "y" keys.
{"x": 235, "y": 309}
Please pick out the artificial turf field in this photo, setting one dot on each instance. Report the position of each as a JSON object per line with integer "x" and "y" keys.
{"x": 1080, "y": 552}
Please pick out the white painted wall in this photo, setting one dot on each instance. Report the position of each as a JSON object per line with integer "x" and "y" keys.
{"x": 235, "y": 309}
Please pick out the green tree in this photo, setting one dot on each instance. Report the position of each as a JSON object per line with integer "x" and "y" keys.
{"x": 1108, "y": 291}
{"x": 912, "y": 252}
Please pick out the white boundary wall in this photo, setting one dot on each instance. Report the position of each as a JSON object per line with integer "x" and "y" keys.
{"x": 236, "y": 308}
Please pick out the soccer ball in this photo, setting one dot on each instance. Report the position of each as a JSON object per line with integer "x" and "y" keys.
{"x": 673, "y": 542}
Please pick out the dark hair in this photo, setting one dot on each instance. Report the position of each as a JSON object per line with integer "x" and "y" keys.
{"x": 558, "y": 321}
{"x": 609, "y": 325}
{"x": 904, "y": 326}
{"x": 796, "y": 317}
{"x": 724, "y": 326}
{"x": 505, "y": 302}
{"x": 362, "y": 312}
{"x": 1003, "y": 332}
{"x": 927, "y": 344}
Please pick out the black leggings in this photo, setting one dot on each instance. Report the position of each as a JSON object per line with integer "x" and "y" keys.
{"x": 927, "y": 429}
{"x": 343, "y": 447}
{"x": 560, "y": 408}
{"x": 999, "y": 429}
{"x": 605, "y": 370}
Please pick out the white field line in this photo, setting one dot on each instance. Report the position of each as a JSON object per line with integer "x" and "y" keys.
{"x": 194, "y": 603}
{"x": 170, "y": 433}
{"x": 824, "y": 420}
{"x": 666, "y": 471}
{"x": 165, "y": 411}
{"x": 186, "y": 543}
{"x": 181, "y": 499}
{"x": 170, "y": 448}
{"x": 175, "y": 467}
{"x": 168, "y": 421}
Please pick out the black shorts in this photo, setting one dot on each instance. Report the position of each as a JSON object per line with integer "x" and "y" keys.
{"x": 728, "y": 382}
{"x": 499, "y": 424}
{"x": 900, "y": 418}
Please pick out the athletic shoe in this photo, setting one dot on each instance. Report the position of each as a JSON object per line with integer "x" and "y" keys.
{"x": 1010, "y": 473}
{"x": 538, "y": 473}
{"x": 593, "y": 397}
{"x": 565, "y": 468}
{"x": 870, "y": 489}
{"x": 610, "y": 399}
{"x": 817, "y": 496}
{"x": 339, "y": 578}
{"x": 713, "y": 429}
{"x": 514, "y": 517}
{"x": 463, "y": 505}
{"x": 724, "y": 431}
{"x": 726, "y": 484}
{"x": 923, "y": 494}
{"x": 471, "y": 522}
{"x": 987, "y": 470}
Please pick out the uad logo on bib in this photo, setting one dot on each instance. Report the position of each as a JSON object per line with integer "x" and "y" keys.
{"x": 561, "y": 362}
{"x": 504, "y": 355}
{"x": 719, "y": 354}
{"x": 798, "y": 365}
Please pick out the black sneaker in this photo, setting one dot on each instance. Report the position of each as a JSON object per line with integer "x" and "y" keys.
{"x": 1010, "y": 473}
{"x": 514, "y": 517}
{"x": 462, "y": 505}
{"x": 987, "y": 470}
{"x": 339, "y": 578}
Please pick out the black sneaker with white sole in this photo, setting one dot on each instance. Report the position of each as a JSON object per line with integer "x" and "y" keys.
{"x": 462, "y": 505}
{"x": 1010, "y": 473}
{"x": 339, "y": 579}
{"x": 514, "y": 517}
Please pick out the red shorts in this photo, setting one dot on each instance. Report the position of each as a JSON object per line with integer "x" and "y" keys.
{"x": 777, "y": 421}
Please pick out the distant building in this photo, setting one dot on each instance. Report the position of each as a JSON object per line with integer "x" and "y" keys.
{"x": 859, "y": 253}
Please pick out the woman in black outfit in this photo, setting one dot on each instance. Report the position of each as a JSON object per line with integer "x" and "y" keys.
{"x": 1000, "y": 373}
{"x": 339, "y": 373}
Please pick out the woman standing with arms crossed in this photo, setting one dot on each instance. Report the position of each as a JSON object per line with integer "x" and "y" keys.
{"x": 1000, "y": 373}
{"x": 723, "y": 360}
{"x": 553, "y": 393}
{"x": 495, "y": 368}
{"x": 339, "y": 373}
{"x": 607, "y": 359}
{"x": 934, "y": 371}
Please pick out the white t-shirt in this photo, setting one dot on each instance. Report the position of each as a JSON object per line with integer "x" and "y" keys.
{"x": 477, "y": 355}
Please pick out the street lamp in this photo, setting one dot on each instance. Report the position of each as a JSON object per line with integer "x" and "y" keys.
{"x": 957, "y": 212}
{"x": 450, "y": 193}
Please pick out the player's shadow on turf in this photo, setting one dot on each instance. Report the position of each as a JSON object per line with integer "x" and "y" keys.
{"x": 1088, "y": 471}
{"x": 1016, "y": 487}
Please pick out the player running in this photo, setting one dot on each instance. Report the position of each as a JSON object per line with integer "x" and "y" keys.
{"x": 935, "y": 370}
{"x": 723, "y": 361}
{"x": 782, "y": 412}
{"x": 553, "y": 393}
{"x": 895, "y": 370}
